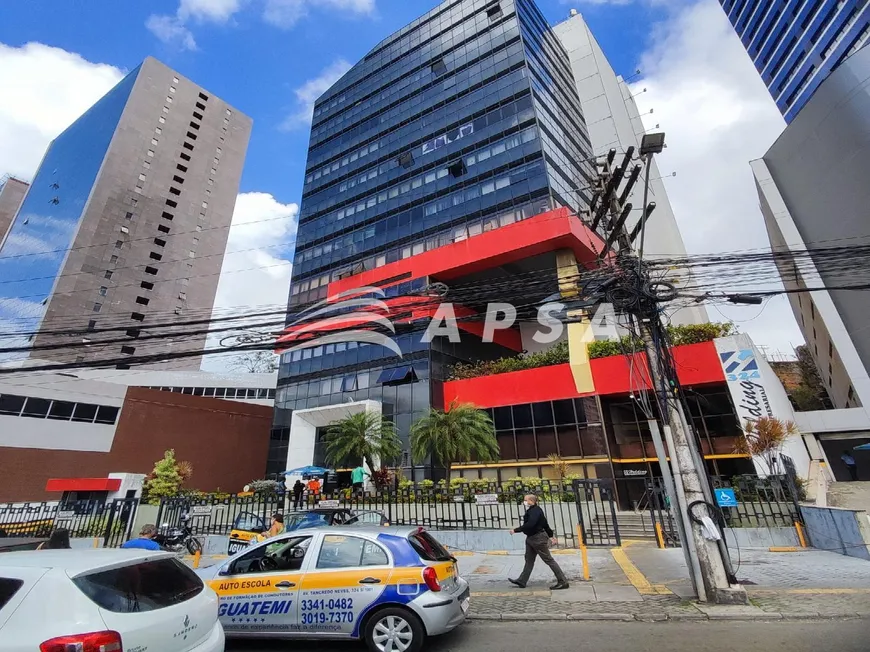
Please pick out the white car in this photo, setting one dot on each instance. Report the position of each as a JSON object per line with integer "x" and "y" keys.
{"x": 105, "y": 601}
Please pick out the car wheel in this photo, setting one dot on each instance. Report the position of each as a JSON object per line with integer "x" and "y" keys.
{"x": 394, "y": 630}
{"x": 193, "y": 546}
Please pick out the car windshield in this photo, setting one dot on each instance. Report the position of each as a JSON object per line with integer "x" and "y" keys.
{"x": 249, "y": 522}
{"x": 301, "y": 520}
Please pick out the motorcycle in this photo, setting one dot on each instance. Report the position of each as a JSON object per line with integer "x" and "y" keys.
{"x": 177, "y": 539}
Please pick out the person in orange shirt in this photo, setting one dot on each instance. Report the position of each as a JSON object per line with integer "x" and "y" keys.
{"x": 314, "y": 486}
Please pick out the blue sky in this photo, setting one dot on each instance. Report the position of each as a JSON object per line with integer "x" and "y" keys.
{"x": 257, "y": 66}
{"x": 270, "y": 58}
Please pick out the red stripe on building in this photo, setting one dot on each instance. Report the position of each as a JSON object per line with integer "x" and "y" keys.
{"x": 83, "y": 484}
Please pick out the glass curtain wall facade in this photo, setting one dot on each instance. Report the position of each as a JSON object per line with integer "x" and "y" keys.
{"x": 796, "y": 44}
{"x": 463, "y": 121}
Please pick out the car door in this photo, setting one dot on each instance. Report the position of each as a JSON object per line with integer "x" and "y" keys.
{"x": 368, "y": 517}
{"x": 258, "y": 590}
{"x": 245, "y": 528}
{"x": 346, "y": 575}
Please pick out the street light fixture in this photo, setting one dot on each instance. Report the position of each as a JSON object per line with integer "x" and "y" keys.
{"x": 652, "y": 143}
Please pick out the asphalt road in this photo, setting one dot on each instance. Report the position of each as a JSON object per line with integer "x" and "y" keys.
{"x": 794, "y": 636}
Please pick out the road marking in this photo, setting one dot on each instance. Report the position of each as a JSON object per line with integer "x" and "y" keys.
{"x": 784, "y": 549}
{"x": 632, "y": 573}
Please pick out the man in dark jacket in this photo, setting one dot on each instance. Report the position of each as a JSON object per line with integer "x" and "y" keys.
{"x": 539, "y": 535}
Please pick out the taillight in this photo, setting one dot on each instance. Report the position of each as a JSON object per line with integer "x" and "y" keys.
{"x": 93, "y": 642}
{"x": 430, "y": 577}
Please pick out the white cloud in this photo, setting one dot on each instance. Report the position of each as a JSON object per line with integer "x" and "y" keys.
{"x": 286, "y": 13}
{"x": 44, "y": 90}
{"x": 218, "y": 11}
{"x": 171, "y": 30}
{"x": 263, "y": 235}
{"x": 718, "y": 116}
{"x": 308, "y": 93}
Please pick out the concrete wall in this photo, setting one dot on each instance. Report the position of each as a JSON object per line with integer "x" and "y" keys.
{"x": 761, "y": 537}
{"x": 845, "y": 531}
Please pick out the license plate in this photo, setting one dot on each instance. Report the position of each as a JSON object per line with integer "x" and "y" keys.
{"x": 464, "y": 606}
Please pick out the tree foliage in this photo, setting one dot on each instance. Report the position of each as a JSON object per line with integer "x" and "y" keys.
{"x": 765, "y": 438}
{"x": 255, "y": 362}
{"x": 461, "y": 433}
{"x": 811, "y": 393}
{"x": 167, "y": 478}
{"x": 362, "y": 437}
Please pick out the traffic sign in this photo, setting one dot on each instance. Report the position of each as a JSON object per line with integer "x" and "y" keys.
{"x": 726, "y": 498}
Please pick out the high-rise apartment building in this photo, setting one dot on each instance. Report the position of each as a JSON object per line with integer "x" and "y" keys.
{"x": 813, "y": 194}
{"x": 126, "y": 222}
{"x": 464, "y": 122}
{"x": 796, "y": 44}
{"x": 614, "y": 122}
{"x": 12, "y": 193}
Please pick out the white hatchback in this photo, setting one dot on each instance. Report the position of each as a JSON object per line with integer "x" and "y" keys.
{"x": 104, "y": 601}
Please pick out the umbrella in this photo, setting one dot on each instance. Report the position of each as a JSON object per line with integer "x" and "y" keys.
{"x": 862, "y": 447}
{"x": 308, "y": 470}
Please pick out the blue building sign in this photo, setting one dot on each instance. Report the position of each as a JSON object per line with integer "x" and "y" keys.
{"x": 726, "y": 498}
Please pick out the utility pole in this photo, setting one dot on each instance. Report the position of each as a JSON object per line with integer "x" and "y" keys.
{"x": 684, "y": 474}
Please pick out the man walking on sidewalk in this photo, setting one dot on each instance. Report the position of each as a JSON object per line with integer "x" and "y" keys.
{"x": 539, "y": 535}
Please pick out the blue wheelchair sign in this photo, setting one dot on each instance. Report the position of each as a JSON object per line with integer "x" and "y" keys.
{"x": 726, "y": 498}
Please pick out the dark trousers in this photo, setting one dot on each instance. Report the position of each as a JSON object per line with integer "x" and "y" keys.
{"x": 853, "y": 472}
{"x": 538, "y": 545}
{"x": 297, "y": 500}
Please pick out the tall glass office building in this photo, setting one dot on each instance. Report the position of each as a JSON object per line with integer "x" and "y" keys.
{"x": 463, "y": 121}
{"x": 796, "y": 44}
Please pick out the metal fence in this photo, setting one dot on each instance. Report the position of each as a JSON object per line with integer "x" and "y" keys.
{"x": 772, "y": 501}
{"x": 110, "y": 522}
{"x": 467, "y": 507}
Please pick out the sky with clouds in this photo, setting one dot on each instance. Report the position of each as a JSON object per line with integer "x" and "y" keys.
{"x": 272, "y": 58}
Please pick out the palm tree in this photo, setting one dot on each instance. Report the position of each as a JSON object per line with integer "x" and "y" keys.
{"x": 765, "y": 438}
{"x": 362, "y": 437}
{"x": 456, "y": 435}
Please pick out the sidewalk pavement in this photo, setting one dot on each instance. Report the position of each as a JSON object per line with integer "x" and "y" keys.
{"x": 641, "y": 582}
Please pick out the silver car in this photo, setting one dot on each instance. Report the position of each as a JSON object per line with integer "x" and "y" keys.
{"x": 391, "y": 586}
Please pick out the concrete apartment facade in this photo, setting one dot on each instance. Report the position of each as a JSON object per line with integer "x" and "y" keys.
{"x": 127, "y": 221}
{"x": 614, "y": 122}
{"x": 12, "y": 193}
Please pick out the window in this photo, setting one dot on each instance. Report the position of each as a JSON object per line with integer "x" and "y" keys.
{"x": 119, "y": 244}
{"x": 174, "y": 191}
{"x": 397, "y": 376}
{"x": 155, "y": 256}
{"x": 153, "y": 141}
{"x": 151, "y": 270}
{"x": 36, "y": 407}
{"x": 188, "y": 146}
{"x": 177, "y": 179}
{"x": 106, "y": 414}
{"x": 168, "y": 99}
{"x": 161, "y": 120}
{"x": 438, "y": 67}
{"x": 167, "y": 216}
{"x": 201, "y": 106}
{"x": 830, "y": 349}
{"x": 181, "y": 167}
{"x": 203, "y": 97}
{"x": 172, "y": 88}
{"x": 159, "y": 242}
{"x": 213, "y": 171}
{"x": 61, "y": 410}
{"x": 150, "y": 152}
{"x": 182, "y": 296}
{"x": 124, "y": 229}
{"x": 194, "y": 125}
{"x": 113, "y": 259}
{"x": 198, "y": 116}
{"x": 103, "y": 291}
{"x": 128, "y": 350}
{"x": 428, "y": 547}
{"x": 143, "y": 301}
{"x": 191, "y": 254}
{"x": 171, "y": 203}
{"x": 141, "y": 587}
{"x": 108, "y": 273}
{"x": 163, "y": 228}
{"x": 98, "y": 307}
{"x": 205, "y": 204}
{"x": 348, "y": 384}
{"x": 229, "y": 112}
{"x": 184, "y": 156}
{"x": 350, "y": 552}
{"x": 457, "y": 169}
{"x": 406, "y": 160}
{"x": 191, "y": 135}
{"x": 494, "y": 12}
{"x": 132, "y": 332}
{"x": 146, "y": 285}
{"x": 165, "y": 109}
{"x": 11, "y": 404}
{"x": 128, "y": 216}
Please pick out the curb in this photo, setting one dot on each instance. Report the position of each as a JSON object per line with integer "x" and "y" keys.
{"x": 663, "y": 617}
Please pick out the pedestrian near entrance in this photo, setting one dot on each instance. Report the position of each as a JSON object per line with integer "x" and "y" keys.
{"x": 298, "y": 490}
{"x": 849, "y": 461}
{"x": 145, "y": 540}
{"x": 314, "y": 487}
{"x": 539, "y": 536}
{"x": 358, "y": 478}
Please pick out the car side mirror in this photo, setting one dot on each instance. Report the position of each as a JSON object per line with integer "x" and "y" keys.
{"x": 225, "y": 570}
